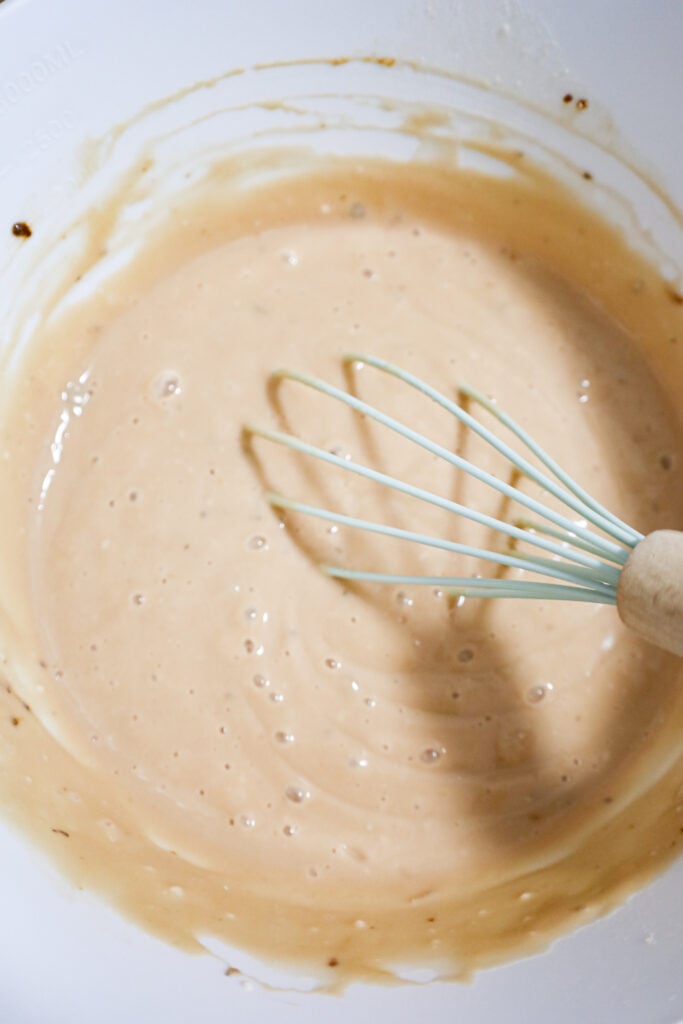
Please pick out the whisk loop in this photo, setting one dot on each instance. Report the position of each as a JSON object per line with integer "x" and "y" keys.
{"x": 587, "y": 563}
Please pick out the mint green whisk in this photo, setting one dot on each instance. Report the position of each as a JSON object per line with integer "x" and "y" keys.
{"x": 584, "y": 562}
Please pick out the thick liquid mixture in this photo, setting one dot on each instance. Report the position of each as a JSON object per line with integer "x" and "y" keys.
{"x": 226, "y": 740}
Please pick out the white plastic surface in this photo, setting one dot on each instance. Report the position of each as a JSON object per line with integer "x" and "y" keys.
{"x": 72, "y": 69}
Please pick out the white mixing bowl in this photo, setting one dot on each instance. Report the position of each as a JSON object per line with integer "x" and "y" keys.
{"x": 75, "y": 71}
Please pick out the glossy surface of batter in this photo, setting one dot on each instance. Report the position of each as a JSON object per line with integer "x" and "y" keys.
{"x": 225, "y": 740}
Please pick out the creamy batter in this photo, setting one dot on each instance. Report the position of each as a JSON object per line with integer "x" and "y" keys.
{"x": 201, "y": 724}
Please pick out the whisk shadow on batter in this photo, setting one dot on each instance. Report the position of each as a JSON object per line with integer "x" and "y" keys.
{"x": 475, "y": 675}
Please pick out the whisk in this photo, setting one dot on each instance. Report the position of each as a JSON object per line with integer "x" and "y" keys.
{"x": 605, "y": 561}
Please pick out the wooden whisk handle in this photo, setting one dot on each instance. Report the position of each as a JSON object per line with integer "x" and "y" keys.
{"x": 650, "y": 590}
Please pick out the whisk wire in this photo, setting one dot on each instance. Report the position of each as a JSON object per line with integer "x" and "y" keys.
{"x": 548, "y": 531}
{"x": 631, "y": 536}
{"x": 295, "y": 444}
{"x": 465, "y": 586}
{"x": 575, "y": 497}
{"x": 588, "y": 564}
{"x": 606, "y": 548}
{"x": 603, "y": 578}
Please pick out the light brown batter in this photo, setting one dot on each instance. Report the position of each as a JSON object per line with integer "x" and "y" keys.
{"x": 227, "y": 742}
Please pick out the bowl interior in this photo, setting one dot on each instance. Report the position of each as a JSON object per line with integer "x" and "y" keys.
{"x": 82, "y": 100}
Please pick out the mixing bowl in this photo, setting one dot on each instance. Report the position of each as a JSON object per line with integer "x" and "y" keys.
{"x": 85, "y": 91}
